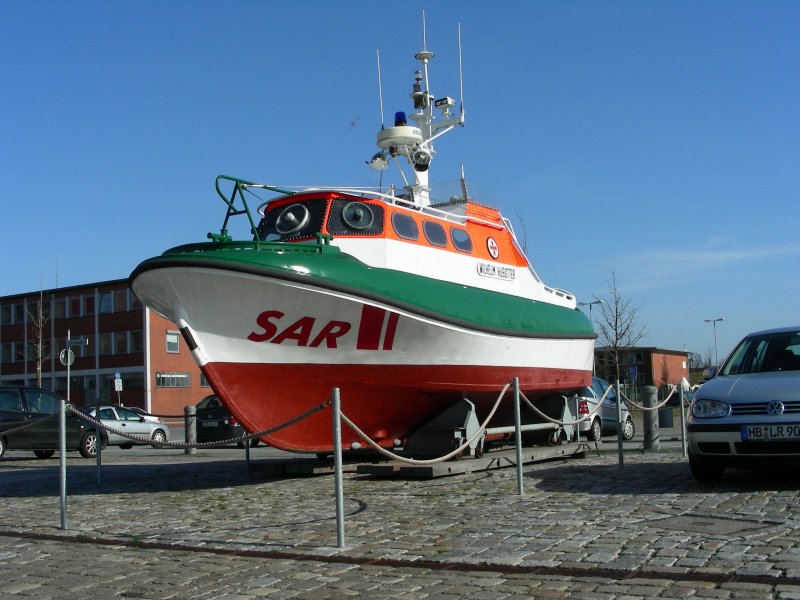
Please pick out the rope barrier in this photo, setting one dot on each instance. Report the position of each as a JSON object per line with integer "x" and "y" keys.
{"x": 558, "y": 422}
{"x": 23, "y": 425}
{"x": 431, "y": 461}
{"x": 165, "y": 444}
{"x": 649, "y": 408}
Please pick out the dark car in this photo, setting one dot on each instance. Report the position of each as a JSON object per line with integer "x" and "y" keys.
{"x": 20, "y": 405}
{"x": 215, "y": 423}
{"x": 748, "y": 414}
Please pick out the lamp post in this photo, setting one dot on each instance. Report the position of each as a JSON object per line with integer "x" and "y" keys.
{"x": 589, "y": 304}
{"x": 714, "y": 323}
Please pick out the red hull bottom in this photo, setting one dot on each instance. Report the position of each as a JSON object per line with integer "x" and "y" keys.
{"x": 388, "y": 402}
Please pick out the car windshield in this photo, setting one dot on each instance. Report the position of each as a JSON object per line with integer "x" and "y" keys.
{"x": 768, "y": 352}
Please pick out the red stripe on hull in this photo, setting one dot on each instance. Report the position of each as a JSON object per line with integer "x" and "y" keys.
{"x": 386, "y": 401}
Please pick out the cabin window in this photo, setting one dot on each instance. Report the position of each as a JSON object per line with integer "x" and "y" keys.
{"x": 461, "y": 239}
{"x": 352, "y": 217}
{"x": 292, "y": 221}
{"x": 405, "y": 226}
{"x": 434, "y": 233}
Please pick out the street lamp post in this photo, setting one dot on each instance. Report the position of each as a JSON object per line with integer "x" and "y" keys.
{"x": 714, "y": 323}
{"x": 589, "y": 304}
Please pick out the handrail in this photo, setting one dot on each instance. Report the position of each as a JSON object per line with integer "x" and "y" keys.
{"x": 239, "y": 187}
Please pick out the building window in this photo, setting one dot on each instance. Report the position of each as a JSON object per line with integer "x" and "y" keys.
{"x": 204, "y": 380}
{"x": 121, "y": 342}
{"x": 61, "y": 308}
{"x": 19, "y": 313}
{"x": 121, "y": 301}
{"x": 106, "y": 303}
{"x": 75, "y": 306}
{"x": 7, "y": 352}
{"x": 172, "y": 380}
{"x": 137, "y": 341}
{"x": 105, "y": 343}
{"x": 5, "y": 315}
{"x": 88, "y": 304}
{"x": 173, "y": 342}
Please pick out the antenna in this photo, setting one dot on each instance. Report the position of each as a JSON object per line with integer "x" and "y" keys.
{"x": 424, "y": 35}
{"x": 460, "y": 77}
{"x": 380, "y": 87}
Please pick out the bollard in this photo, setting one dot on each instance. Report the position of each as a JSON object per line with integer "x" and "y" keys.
{"x": 337, "y": 463}
{"x": 190, "y": 428}
{"x": 650, "y": 400}
{"x": 518, "y": 436}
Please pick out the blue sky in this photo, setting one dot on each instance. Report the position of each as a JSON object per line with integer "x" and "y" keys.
{"x": 658, "y": 141}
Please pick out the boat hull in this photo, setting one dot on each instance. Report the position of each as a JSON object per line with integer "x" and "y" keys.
{"x": 274, "y": 347}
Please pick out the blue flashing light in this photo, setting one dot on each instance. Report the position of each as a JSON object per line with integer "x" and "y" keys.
{"x": 399, "y": 118}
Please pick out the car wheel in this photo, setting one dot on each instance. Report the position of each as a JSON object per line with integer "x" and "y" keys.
{"x": 125, "y": 446}
{"x": 88, "y": 447}
{"x": 158, "y": 438}
{"x": 596, "y": 431}
{"x": 704, "y": 470}
{"x": 2, "y": 446}
{"x": 628, "y": 429}
{"x": 43, "y": 453}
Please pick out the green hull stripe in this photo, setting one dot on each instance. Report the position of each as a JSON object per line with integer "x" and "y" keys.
{"x": 468, "y": 307}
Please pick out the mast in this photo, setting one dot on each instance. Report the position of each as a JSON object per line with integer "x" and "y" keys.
{"x": 414, "y": 143}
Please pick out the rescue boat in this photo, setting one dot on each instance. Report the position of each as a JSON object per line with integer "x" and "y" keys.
{"x": 405, "y": 303}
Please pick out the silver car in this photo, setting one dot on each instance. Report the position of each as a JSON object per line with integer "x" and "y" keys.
{"x": 125, "y": 420}
{"x": 749, "y": 413}
{"x": 604, "y": 420}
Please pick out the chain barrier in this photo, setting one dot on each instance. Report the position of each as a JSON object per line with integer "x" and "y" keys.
{"x": 432, "y": 461}
{"x": 184, "y": 445}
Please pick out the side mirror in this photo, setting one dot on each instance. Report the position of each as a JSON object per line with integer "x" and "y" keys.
{"x": 710, "y": 373}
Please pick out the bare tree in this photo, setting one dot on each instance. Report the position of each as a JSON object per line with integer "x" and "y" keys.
{"x": 618, "y": 326}
{"x": 39, "y": 353}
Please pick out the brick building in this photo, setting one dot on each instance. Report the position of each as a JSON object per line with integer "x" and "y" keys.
{"x": 114, "y": 332}
{"x": 643, "y": 366}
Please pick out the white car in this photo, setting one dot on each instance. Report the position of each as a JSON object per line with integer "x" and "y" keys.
{"x": 749, "y": 413}
{"x": 127, "y": 421}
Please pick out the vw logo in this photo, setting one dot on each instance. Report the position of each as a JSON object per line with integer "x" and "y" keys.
{"x": 775, "y": 408}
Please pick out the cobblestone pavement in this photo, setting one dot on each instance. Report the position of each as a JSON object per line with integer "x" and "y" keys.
{"x": 168, "y": 525}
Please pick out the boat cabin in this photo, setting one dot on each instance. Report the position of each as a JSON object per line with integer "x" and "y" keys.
{"x": 461, "y": 227}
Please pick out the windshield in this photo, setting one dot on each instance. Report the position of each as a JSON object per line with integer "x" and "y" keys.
{"x": 768, "y": 352}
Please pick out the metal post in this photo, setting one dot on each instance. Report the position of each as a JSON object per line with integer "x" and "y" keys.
{"x": 651, "y": 433}
{"x": 62, "y": 461}
{"x": 337, "y": 465}
{"x": 619, "y": 427}
{"x": 577, "y": 425}
{"x": 99, "y": 444}
{"x": 190, "y": 428}
{"x": 518, "y": 436}
{"x": 683, "y": 422}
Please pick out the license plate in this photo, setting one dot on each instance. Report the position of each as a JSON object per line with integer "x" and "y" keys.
{"x": 209, "y": 424}
{"x": 770, "y": 433}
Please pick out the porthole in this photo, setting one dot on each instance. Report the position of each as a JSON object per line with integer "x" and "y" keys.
{"x": 434, "y": 233}
{"x": 357, "y": 215}
{"x": 461, "y": 239}
{"x": 292, "y": 219}
{"x": 405, "y": 226}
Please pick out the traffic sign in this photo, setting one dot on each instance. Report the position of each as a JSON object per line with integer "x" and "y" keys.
{"x": 67, "y": 357}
